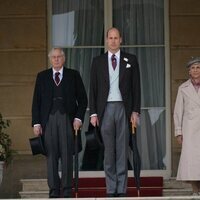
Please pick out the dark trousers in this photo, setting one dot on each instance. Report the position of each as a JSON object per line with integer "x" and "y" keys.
{"x": 59, "y": 143}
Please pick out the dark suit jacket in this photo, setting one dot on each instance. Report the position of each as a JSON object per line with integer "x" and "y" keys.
{"x": 129, "y": 84}
{"x": 75, "y": 98}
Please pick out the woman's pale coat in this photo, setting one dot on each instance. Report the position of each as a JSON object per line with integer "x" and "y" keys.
{"x": 187, "y": 124}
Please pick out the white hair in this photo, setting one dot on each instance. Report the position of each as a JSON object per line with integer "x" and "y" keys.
{"x": 56, "y": 48}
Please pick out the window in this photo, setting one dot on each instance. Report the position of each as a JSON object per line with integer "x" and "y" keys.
{"x": 79, "y": 27}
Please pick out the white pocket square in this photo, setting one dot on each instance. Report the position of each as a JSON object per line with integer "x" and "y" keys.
{"x": 126, "y": 59}
{"x": 128, "y": 66}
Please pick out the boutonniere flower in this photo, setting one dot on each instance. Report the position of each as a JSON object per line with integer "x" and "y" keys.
{"x": 128, "y": 65}
{"x": 126, "y": 59}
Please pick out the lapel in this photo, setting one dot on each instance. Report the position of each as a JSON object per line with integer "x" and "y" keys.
{"x": 49, "y": 82}
{"x": 50, "y": 78}
{"x": 104, "y": 68}
{"x": 66, "y": 81}
{"x": 191, "y": 92}
{"x": 122, "y": 66}
{"x": 64, "y": 78}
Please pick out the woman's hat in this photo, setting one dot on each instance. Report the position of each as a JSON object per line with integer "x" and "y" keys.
{"x": 192, "y": 61}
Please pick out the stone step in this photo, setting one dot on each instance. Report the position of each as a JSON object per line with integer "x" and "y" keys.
{"x": 173, "y": 183}
{"x": 41, "y": 184}
{"x": 34, "y": 194}
{"x": 37, "y": 188}
{"x": 177, "y": 192}
{"x": 172, "y": 187}
{"x": 34, "y": 185}
{"x": 166, "y": 193}
{"x": 44, "y": 195}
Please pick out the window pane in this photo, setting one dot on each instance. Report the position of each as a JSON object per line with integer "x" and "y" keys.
{"x": 80, "y": 59}
{"x": 152, "y": 72}
{"x": 151, "y": 131}
{"x": 140, "y": 21}
{"x": 81, "y": 23}
{"x": 151, "y": 138}
{"x": 77, "y": 23}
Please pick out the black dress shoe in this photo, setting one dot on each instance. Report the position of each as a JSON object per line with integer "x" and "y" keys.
{"x": 54, "y": 197}
{"x": 54, "y": 193}
{"x": 111, "y": 195}
{"x": 67, "y": 196}
{"x": 67, "y": 192}
{"x": 121, "y": 195}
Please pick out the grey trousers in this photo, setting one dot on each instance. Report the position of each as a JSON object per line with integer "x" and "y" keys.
{"x": 59, "y": 143}
{"x": 114, "y": 130}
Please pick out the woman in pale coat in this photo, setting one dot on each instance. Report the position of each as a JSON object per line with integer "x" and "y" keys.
{"x": 187, "y": 126}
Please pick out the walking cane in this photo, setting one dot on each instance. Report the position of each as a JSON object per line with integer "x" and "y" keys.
{"x": 76, "y": 164}
{"x": 136, "y": 158}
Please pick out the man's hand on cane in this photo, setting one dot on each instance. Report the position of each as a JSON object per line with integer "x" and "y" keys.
{"x": 77, "y": 124}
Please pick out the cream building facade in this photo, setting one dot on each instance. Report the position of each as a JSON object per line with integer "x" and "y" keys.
{"x": 25, "y": 39}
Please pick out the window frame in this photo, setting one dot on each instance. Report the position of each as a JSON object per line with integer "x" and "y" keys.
{"x": 108, "y": 23}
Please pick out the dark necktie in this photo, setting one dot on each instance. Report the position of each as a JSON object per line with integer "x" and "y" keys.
{"x": 57, "y": 79}
{"x": 114, "y": 61}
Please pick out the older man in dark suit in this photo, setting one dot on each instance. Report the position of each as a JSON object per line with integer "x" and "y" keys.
{"x": 59, "y": 105}
{"x": 114, "y": 103}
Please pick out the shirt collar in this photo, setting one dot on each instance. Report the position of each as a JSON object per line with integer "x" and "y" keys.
{"x": 117, "y": 54}
{"x": 61, "y": 71}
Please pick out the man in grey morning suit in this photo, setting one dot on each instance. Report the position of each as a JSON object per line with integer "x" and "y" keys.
{"x": 114, "y": 103}
{"x": 59, "y": 105}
